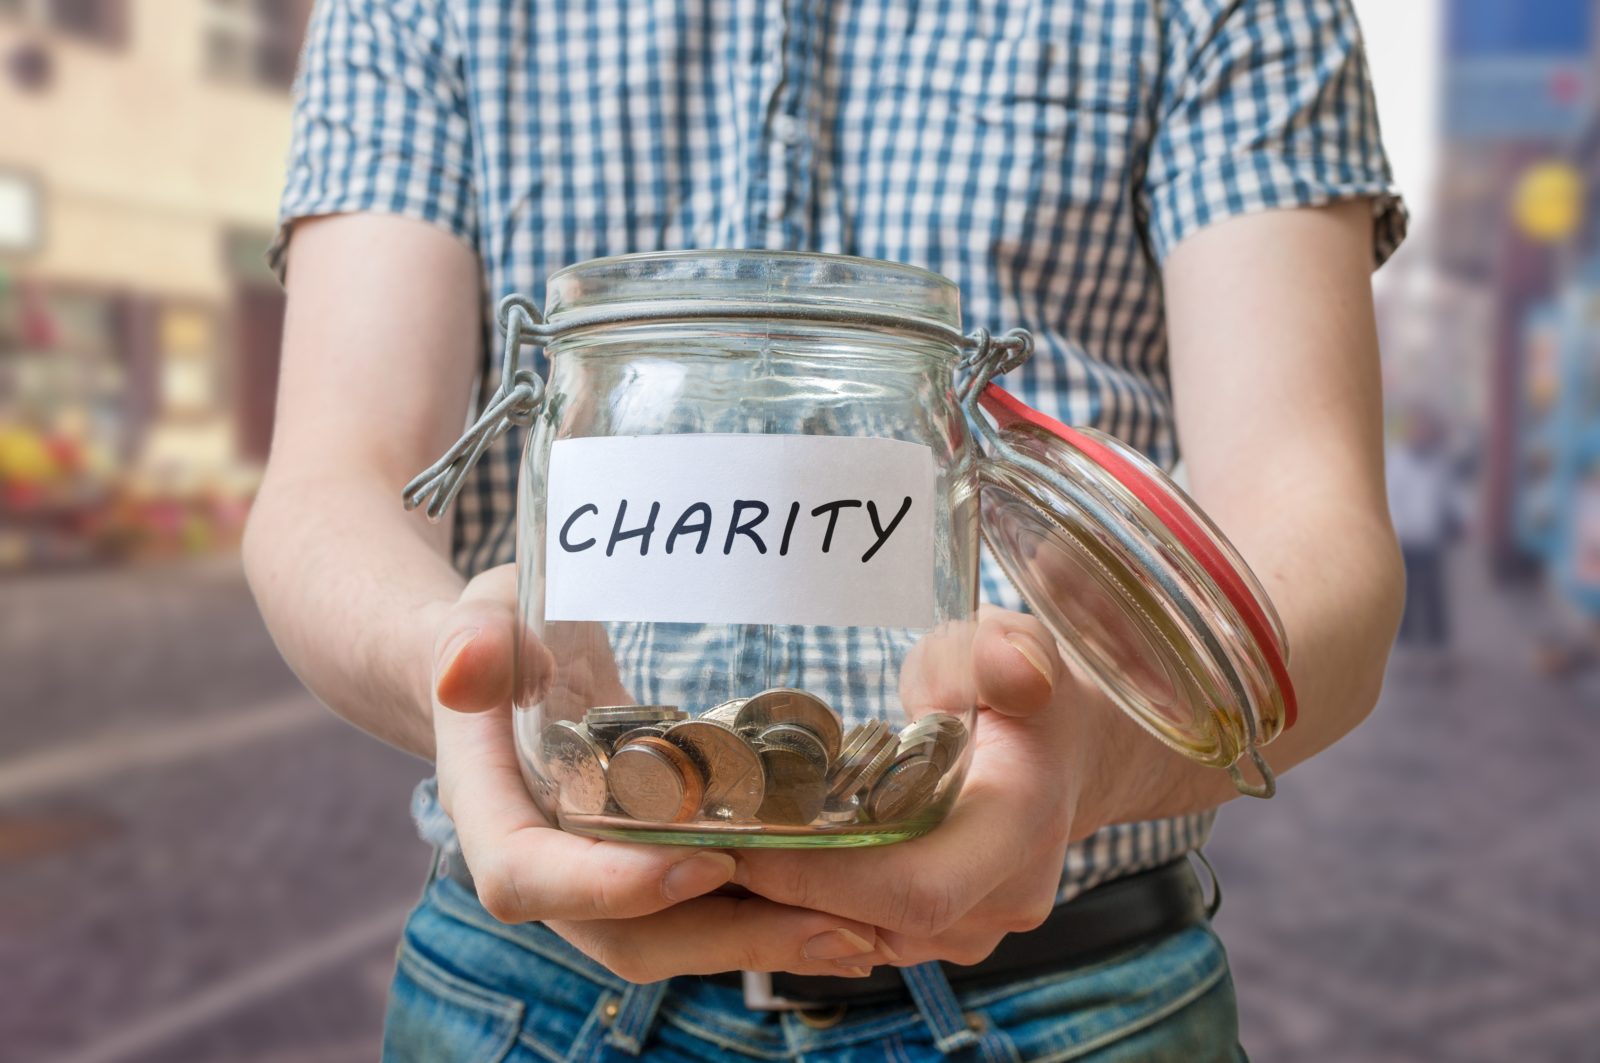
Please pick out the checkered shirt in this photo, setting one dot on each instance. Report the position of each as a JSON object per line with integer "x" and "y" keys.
{"x": 1045, "y": 156}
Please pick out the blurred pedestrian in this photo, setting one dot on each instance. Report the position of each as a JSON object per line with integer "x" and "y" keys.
{"x": 1424, "y": 505}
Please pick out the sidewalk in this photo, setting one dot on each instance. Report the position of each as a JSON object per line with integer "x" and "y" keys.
{"x": 1426, "y": 891}
{"x": 201, "y": 864}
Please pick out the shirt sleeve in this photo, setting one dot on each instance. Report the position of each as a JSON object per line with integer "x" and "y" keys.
{"x": 380, "y": 120}
{"x": 1265, "y": 104}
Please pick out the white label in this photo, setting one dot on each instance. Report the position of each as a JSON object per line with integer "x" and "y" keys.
{"x": 741, "y": 529}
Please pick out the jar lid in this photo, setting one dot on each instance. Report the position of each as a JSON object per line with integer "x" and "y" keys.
{"x": 1145, "y": 595}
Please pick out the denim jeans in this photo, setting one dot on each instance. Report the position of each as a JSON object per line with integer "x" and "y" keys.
{"x": 468, "y": 987}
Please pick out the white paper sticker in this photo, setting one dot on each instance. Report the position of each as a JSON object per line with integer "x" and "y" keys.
{"x": 741, "y": 529}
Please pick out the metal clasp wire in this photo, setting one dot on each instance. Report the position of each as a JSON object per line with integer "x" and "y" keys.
{"x": 518, "y": 398}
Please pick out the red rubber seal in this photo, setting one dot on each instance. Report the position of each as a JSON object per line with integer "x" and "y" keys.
{"x": 1007, "y": 409}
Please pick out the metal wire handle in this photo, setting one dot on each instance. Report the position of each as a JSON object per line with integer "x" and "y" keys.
{"x": 515, "y": 401}
{"x": 521, "y": 391}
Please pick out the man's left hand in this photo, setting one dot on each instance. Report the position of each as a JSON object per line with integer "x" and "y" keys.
{"x": 994, "y": 866}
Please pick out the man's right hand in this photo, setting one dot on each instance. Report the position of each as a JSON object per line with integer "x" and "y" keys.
{"x": 642, "y": 911}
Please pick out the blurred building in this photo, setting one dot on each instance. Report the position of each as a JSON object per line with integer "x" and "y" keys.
{"x": 1520, "y": 91}
{"x": 141, "y": 151}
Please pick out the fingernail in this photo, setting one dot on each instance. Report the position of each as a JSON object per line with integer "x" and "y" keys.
{"x": 700, "y": 873}
{"x": 453, "y": 648}
{"x": 886, "y": 952}
{"x": 855, "y": 972}
{"x": 1027, "y": 648}
{"x": 835, "y": 945}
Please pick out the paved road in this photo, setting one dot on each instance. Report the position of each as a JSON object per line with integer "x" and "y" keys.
{"x": 200, "y": 864}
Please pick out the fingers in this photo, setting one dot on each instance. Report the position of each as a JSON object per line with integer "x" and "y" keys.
{"x": 526, "y": 869}
{"x": 473, "y": 650}
{"x": 1016, "y": 662}
{"x": 919, "y": 888}
{"x": 717, "y": 934}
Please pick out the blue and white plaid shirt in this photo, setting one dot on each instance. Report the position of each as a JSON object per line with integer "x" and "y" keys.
{"x": 1046, "y": 155}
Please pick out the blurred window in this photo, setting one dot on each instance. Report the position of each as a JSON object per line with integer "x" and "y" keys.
{"x": 254, "y": 42}
{"x": 99, "y": 21}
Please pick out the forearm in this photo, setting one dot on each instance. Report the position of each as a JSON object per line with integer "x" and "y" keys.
{"x": 1337, "y": 583}
{"x": 381, "y": 343}
{"x": 352, "y": 591}
{"x": 1278, "y": 399}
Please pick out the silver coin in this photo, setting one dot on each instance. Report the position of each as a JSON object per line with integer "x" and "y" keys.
{"x": 727, "y": 712}
{"x": 576, "y": 763}
{"x": 802, "y": 740}
{"x": 611, "y": 722}
{"x": 796, "y": 789}
{"x": 868, "y": 750}
{"x": 653, "y": 780}
{"x": 785, "y": 705}
{"x": 861, "y": 767}
{"x": 639, "y": 714}
{"x": 649, "y": 730}
{"x": 903, "y": 791}
{"x": 947, "y": 732}
{"x": 735, "y": 782}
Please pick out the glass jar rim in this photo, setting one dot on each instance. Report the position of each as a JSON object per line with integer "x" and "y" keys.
{"x": 756, "y": 284}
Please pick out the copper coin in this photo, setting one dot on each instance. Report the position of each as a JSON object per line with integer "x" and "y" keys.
{"x": 786, "y": 705}
{"x": 576, "y": 763}
{"x": 655, "y": 781}
{"x": 735, "y": 783}
{"x": 796, "y": 788}
{"x": 903, "y": 791}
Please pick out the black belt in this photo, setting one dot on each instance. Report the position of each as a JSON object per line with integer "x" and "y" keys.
{"x": 1107, "y": 919}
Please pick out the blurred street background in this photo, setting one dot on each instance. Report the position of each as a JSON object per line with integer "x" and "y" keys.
{"x": 199, "y": 863}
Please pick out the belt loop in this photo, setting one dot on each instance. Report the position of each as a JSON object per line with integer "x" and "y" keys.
{"x": 635, "y": 1015}
{"x": 931, "y": 992}
{"x": 1215, "y": 904}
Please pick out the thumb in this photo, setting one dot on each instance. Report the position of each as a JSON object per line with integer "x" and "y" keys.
{"x": 1015, "y": 659}
{"x": 472, "y": 652}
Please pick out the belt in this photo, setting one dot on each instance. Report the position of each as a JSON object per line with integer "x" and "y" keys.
{"x": 1119, "y": 915}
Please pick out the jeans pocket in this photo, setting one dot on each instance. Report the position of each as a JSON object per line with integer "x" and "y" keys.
{"x": 436, "y": 1017}
{"x": 1169, "y": 1001}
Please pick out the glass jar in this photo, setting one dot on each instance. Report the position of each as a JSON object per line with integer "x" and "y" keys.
{"x": 748, "y": 537}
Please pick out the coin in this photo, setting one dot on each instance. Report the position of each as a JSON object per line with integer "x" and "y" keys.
{"x": 785, "y": 705}
{"x": 635, "y": 712}
{"x": 649, "y": 731}
{"x": 735, "y": 783}
{"x": 802, "y": 740}
{"x": 610, "y": 722}
{"x": 903, "y": 791}
{"x": 577, "y": 764}
{"x": 655, "y": 781}
{"x": 726, "y": 713}
{"x": 868, "y": 749}
{"x": 795, "y": 787}
{"x": 948, "y": 733}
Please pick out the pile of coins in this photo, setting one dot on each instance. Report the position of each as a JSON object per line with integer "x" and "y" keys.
{"x": 780, "y": 757}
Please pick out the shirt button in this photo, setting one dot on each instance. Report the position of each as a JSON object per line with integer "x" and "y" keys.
{"x": 786, "y": 128}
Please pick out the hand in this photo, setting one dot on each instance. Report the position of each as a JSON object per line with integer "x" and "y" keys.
{"x": 639, "y": 910}
{"x": 994, "y": 865}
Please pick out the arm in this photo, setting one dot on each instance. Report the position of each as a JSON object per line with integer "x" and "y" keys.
{"x": 380, "y": 347}
{"x": 1275, "y": 370}
{"x": 1278, "y": 398}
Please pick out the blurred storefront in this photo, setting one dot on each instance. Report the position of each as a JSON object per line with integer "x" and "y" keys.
{"x": 140, "y": 157}
{"x": 1515, "y": 250}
